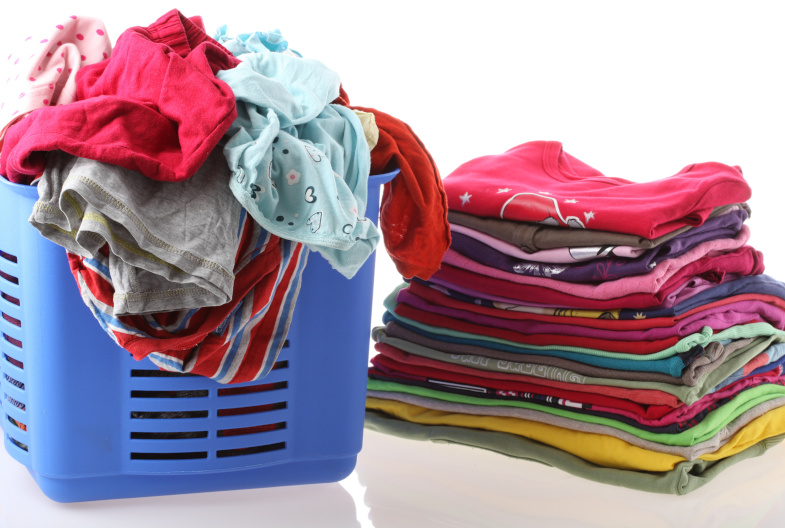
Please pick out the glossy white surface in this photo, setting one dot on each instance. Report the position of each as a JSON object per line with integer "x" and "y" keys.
{"x": 411, "y": 483}
{"x": 404, "y": 483}
{"x": 635, "y": 89}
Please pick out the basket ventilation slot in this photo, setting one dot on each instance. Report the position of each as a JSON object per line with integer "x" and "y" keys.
{"x": 251, "y": 450}
{"x": 16, "y": 383}
{"x": 8, "y": 256}
{"x": 167, "y": 415}
{"x": 15, "y": 403}
{"x": 169, "y": 394}
{"x": 187, "y": 435}
{"x": 13, "y": 320}
{"x": 12, "y": 340}
{"x": 18, "y": 444}
{"x": 237, "y": 411}
{"x": 265, "y": 387}
{"x": 159, "y": 374}
{"x": 9, "y": 278}
{"x": 252, "y": 430}
{"x": 17, "y": 423}
{"x": 169, "y": 456}
{"x": 15, "y": 362}
{"x": 12, "y": 300}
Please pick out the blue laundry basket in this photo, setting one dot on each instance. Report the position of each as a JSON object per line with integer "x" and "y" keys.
{"x": 91, "y": 423}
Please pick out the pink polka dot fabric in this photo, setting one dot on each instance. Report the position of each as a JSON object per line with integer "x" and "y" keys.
{"x": 42, "y": 71}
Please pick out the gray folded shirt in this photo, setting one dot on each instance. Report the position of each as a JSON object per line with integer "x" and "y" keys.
{"x": 172, "y": 244}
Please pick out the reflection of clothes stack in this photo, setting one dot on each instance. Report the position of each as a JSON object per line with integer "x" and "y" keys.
{"x": 620, "y": 331}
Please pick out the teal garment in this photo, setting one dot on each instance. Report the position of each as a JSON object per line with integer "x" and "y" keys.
{"x": 710, "y": 358}
{"x": 685, "y": 477}
{"x": 300, "y": 164}
{"x": 673, "y": 366}
{"x": 714, "y": 422}
{"x": 687, "y": 394}
{"x": 256, "y": 42}
{"x": 705, "y": 336}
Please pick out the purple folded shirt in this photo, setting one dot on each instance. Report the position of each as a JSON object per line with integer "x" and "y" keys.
{"x": 600, "y": 269}
{"x": 686, "y": 291}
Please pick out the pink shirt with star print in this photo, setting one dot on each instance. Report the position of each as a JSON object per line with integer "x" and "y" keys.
{"x": 539, "y": 182}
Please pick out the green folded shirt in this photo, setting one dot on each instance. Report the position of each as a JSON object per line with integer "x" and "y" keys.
{"x": 702, "y": 431}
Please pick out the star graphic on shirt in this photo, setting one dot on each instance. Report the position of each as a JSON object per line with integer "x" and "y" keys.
{"x": 570, "y": 201}
{"x": 506, "y": 189}
{"x": 589, "y": 216}
{"x": 465, "y": 198}
{"x": 639, "y": 315}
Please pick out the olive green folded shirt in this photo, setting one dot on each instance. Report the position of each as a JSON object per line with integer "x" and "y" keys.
{"x": 684, "y": 478}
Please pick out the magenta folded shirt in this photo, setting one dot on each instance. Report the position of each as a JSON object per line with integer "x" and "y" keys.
{"x": 718, "y": 318}
{"x": 610, "y": 289}
{"x": 716, "y": 268}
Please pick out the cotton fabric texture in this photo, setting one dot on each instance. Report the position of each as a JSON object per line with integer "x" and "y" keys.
{"x": 232, "y": 343}
{"x": 300, "y": 165}
{"x": 172, "y": 245}
{"x": 130, "y": 110}
{"x": 43, "y": 68}
{"x": 539, "y": 182}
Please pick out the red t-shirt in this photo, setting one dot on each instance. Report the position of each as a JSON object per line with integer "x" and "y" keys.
{"x": 155, "y": 107}
{"x": 539, "y": 182}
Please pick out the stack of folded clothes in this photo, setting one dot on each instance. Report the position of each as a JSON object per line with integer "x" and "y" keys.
{"x": 621, "y": 331}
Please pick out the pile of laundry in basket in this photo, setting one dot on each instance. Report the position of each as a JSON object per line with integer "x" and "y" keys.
{"x": 188, "y": 177}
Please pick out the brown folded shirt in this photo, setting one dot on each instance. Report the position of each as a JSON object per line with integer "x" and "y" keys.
{"x": 535, "y": 237}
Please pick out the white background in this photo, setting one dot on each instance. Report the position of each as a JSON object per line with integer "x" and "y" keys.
{"x": 635, "y": 89}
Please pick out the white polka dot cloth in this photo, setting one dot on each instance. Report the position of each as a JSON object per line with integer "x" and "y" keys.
{"x": 42, "y": 70}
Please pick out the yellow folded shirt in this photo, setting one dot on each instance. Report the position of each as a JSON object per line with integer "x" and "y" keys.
{"x": 603, "y": 450}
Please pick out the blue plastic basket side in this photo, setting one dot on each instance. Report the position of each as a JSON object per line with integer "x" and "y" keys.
{"x": 100, "y": 425}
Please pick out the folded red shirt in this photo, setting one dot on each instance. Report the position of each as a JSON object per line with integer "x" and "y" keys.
{"x": 734, "y": 302}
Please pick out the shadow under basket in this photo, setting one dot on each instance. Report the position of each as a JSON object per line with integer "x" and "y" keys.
{"x": 90, "y": 423}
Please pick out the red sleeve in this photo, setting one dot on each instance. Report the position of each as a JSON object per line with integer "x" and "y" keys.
{"x": 413, "y": 213}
